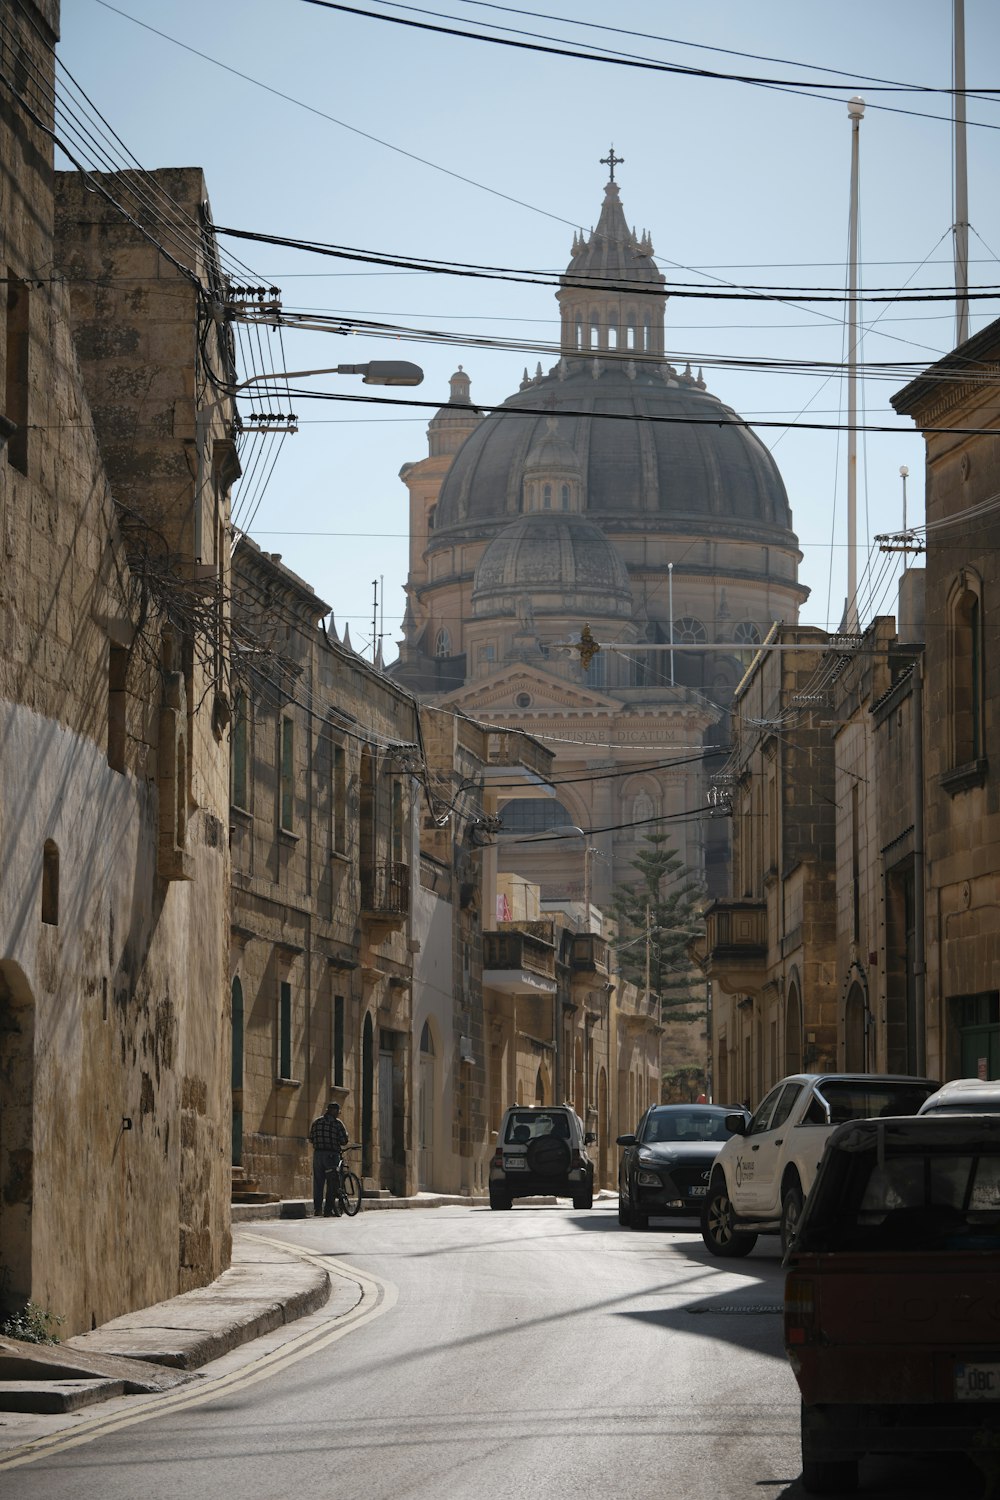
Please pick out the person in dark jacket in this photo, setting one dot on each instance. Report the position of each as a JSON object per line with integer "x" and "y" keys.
{"x": 328, "y": 1136}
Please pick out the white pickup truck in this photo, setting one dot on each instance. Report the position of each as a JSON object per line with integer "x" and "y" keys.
{"x": 761, "y": 1176}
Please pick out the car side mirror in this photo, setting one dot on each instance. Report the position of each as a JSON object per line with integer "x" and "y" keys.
{"x": 736, "y": 1124}
{"x": 589, "y": 1138}
{"x": 625, "y": 1140}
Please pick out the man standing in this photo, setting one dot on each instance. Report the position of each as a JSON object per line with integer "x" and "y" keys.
{"x": 329, "y": 1137}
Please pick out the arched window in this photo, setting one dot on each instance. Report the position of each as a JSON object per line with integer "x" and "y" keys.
{"x": 647, "y": 332}
{"x": 613, "y": 333}
{"x": 427, "y": 1041}
{"x": 966, "y": 671}
{"x": 579, "y": 333}
{"x": 689, "y": 631}
{"x": 745, "y": 633}
{"x": 546, "y": 497}
{"x": 50, "y": 883}
{"x": 595, "y": 330}
{"x": 531, "y": 815}
{"x": 564, "y": 497}
{"x": 442, "y": 643}
{"x": 432, "y": 512}
{"x": 630, "y": 332}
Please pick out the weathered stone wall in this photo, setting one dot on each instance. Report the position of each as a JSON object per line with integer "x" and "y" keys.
{"x": 113, "y": 1027}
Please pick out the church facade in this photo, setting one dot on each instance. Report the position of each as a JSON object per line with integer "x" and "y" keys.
{"x": 614, "y": 492}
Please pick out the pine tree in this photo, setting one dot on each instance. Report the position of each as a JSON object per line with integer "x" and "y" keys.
{"x": 657, "y": 916}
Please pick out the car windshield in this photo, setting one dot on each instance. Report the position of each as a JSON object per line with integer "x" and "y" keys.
{"x": 864, "y": 1099}
{"x": 908, "y": 1199}
{"x": 526, "y": 1125}
{"x": 680, "y": 1125}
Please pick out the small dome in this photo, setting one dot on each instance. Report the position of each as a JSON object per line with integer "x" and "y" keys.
{"x": 563, "y": 563}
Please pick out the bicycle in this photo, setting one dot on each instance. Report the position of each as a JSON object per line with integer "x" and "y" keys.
{"x": 348, "y": 1192}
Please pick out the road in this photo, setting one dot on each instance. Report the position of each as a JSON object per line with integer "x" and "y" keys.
{"x": 541, "y": 1353}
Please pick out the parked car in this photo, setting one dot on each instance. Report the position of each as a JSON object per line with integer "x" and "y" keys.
{"x": 542, "y": 1150}
{"x": 964, "y": 1096}
{"x": 892, "y": 1319}
{"x": 666, "y": 1163}
{"x": 762, "y": 1174}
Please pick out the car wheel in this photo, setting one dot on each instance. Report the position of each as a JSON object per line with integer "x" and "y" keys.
{"x": 499, "y": 1197}
{"x": 791, "y": 1213}
{"x": 586, "y": 1198}
{"x": 717, "y": 1227}
{"x": 829, "y": 1476}
{"x": 623, "y": 1213}
{"x": 638, "y": 1220}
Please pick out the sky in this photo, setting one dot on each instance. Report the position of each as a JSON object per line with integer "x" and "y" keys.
{"x": 357, "y": 131}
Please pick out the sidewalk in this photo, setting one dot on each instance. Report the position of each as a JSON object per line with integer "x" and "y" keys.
{"x": 156, "y": 1348}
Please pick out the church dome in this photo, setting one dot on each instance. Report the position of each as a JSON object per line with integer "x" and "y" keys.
{"x": 562, "y": 562}
{"x": 669, "y": 455}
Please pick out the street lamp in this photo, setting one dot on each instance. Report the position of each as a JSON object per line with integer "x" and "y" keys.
{"x": 376, "y": 372}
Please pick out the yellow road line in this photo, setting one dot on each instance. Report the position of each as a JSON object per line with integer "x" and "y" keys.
{"x": 377, "y": 1297}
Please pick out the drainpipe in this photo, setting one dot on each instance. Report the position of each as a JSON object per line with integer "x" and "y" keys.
{"x": 917, "y": 1036}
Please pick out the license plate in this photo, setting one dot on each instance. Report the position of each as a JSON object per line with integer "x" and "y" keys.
{"x": 698, "y": 1192}
{"x": 515, "y": 1164}
{"x": 977, "y": 1382}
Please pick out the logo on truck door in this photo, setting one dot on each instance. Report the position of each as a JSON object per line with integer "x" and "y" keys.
{"x": 744, "y": 1171}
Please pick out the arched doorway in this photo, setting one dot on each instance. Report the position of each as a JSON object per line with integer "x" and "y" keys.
{"x": 426, "y": 1097}
{"x": 367, "y": 1090}
{"x": 603, "y": 1128}
{"x": 855, "y": 1060}
{"x": 17, "y": 1097}
{"x": 237, "y": 1076}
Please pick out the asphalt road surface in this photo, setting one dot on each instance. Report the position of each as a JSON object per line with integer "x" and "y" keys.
{"x": 543, "y": 1353}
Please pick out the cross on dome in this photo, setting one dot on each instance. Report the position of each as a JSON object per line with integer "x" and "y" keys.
{"x": 611, "y": 161}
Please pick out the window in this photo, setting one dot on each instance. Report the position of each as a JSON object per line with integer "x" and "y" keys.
{"x": 50, "y": 884}
{"x": 240, "y": 791}
{"x": 287, "y": 776}
{"x": 285, "y": 1030}
{"x": 966, "y": 672}
{"x": 579, "y": 333}
{"x": 16, "y": 399}
{"x": 613, "y": 333}
{"x": 564, "y": 497}
{"x": 531, "y": 815}
{"x": 630, "y": 332}
{"x": 689, "y": 631}
{"x": 398, "y": 840}
{"x": 745, "y": 633}
{"x": 117, "y": 679}
{"x": 339, "y": 806}
{"x": 442, "y": 643}
{"x": 338, "y": 1041}
{"x": 546, "y": 497}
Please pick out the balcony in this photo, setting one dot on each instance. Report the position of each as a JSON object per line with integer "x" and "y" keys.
{"x": 517, "y": 963}
{"x": 734, "y": 951}
{"x": 385, "y": 892}
{"x": 512, "y": 751}
{"x": 589, "y": 954}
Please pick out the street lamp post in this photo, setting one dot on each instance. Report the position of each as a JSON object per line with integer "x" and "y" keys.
{"x": 376, "y": 372}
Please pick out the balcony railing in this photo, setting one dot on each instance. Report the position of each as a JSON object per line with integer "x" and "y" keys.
{"x": 507, "y": 749}
{"x": 385, "y": 890}
{"x": 734, "y": 950}
{"x": 519, "y": 952}
{"x": 589, "y": 953}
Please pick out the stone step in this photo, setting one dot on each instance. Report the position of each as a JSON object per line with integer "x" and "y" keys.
{"x": 56, "y": 1395}
{"x": 251, "y": 1195}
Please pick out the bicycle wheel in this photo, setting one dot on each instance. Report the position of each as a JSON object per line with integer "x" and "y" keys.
{"x": 350, "y": 1194}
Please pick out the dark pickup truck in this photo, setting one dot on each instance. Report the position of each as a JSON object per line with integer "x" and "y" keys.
{"x": 892, "y": 1296}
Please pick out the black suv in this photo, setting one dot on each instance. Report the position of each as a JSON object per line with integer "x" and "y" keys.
{"x": 542, "y": 1151}
{"x": 666, "y": 1164}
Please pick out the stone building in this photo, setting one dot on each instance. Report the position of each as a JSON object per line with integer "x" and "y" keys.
{"x": 114, "y": 477}
{"x": 325, "y": 865}
{"x": 954, "y": 401}
{"x": 770, "y": 946}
